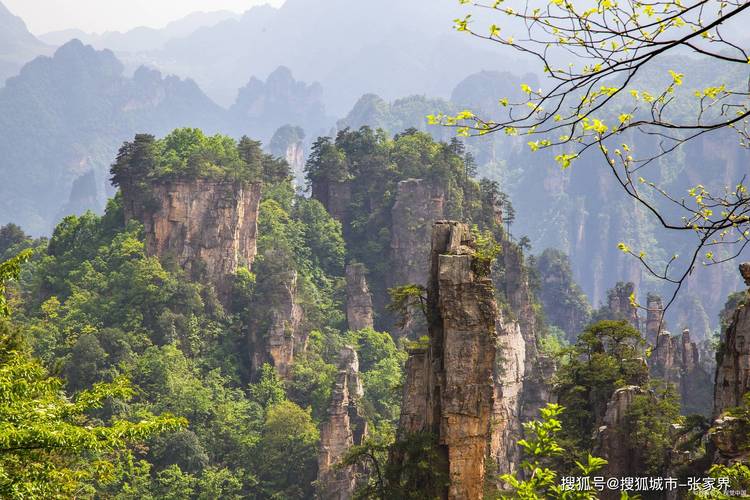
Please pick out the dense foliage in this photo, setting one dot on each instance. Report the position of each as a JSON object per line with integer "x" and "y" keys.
{"x": 93, "y": 305}
{"x": 604, "y": 358}
{"x": 367, "y": 165}
{"x": 188, "y": 153}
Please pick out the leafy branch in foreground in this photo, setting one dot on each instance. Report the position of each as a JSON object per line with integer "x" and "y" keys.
{"x": 49, "y": 445}
{"x": 538, "y": 479}
{"x": 614, "y": 92}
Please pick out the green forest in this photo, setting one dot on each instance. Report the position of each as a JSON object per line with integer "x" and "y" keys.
{"x": 124, "y": 376}
{"x": 322, "y": 250}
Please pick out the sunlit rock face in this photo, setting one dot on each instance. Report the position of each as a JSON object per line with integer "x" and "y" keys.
{"x": 612, "y": 440}
{"x": 209, "y": 227}
{"x": 464, "y": 386}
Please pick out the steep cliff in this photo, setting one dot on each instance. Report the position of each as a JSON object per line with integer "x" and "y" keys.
{"x": 565, "y": 304}
{"x": 733, "y": 368}
{"x": 472, "y": 357}
{"x": 359, "y": 311}
{"x": 612, "y": 439}
{"x": 536, "y": 368}
{"x": 676, "y": 360}
{"x": 619, "y": 304}
{"x": 335, "y": 196}
{"x": 344, "y": 428}
{"x": 275, "y": 332}
{"x": 209, "y": 227}
{"x": 418, "y": 204}
{"x": 654, "y": 318}
{"x": 288, "y": 143}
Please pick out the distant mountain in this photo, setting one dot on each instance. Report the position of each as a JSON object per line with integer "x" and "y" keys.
{"x": 17, "y": 45}
{"x": 142, "y": 39}
{"x": 399, "y": 115}
{"x": 263, "y": 107}
{"x": 63, "y": 118}
{"x": 394, "y": 49}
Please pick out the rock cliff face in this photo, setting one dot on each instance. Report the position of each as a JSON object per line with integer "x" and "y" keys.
{"x": 418, "y": 205}
{"x": 450, "y": 389}
{"x": 618, "y": 303}
{"x": 359, "y": 310}
{"x": 729, "y": 440}
{"x": 654, "y": 318}
{"x": 335, "y": 196}
{"x": 344, "y": 428}
{"x": 537, "y": 369}
{"x": 510, "y": 391}
{"x": 612, "y": 438}
{"x": 276, "y": 333}
{"x": 733, "y": 369}
{"x": 676, "y": 360}
{"x": 208, "y": 226}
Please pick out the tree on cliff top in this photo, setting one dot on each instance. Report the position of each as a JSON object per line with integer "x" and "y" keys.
{"x": 608, "y": 89}
{"x": 187, "y": 153}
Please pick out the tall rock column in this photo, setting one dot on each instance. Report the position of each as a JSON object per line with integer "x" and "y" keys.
{"x": 208, "y": 226}
{"x": 733, "y": 371}
{"x": 536, "y": 368}
{"x": 449, "y": 388}
{"x": 654, "y": 317}
{"x": 619, "y": 305}
{"x": 359, "y": 310}
{"x": 275, "y": 328}
{"x": 344, "y": 428}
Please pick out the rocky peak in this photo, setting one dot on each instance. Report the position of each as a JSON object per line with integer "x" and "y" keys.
{"x": 654, "y": 317}
{"x": 359, "y": 310}
{"x": 676, "y": 360}
{"x": 288, "y": 143}
{"x": 733, "y": 369}
{"x": 619, "y": 303}
{"x": 344, "y": 428}
{"x": 261, "y": 107}
{"x": 449, "y": 389}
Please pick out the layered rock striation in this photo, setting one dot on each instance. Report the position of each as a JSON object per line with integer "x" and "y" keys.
{"x": 344, "y": 428}
{"x": 463, "y": 387}
{"x": 359, "y": 309}
{"x": 209, "y": 227}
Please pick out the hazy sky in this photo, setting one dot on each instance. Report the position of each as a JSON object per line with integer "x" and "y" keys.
{"x": 42, "y": 16}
